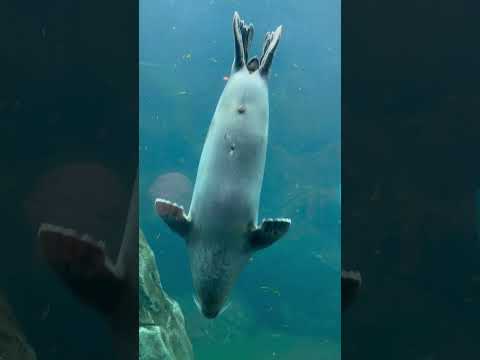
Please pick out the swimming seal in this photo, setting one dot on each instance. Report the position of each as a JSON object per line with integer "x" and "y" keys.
{"x": 221, "y": 230}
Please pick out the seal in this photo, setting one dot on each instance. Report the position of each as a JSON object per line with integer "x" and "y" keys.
{"x": 221, "y": 230}
{"x": 110, "y": 287}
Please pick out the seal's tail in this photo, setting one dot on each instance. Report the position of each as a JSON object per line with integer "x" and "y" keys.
{"x": 243, "y": 35}
{"x": 271, "y": 42}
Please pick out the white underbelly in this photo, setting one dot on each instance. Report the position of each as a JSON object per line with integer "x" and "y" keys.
{"x": 228, "y": 185}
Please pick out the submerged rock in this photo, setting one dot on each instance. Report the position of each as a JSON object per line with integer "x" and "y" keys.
{"x": 13, "y": 344}
{"x": 162, "y": 333}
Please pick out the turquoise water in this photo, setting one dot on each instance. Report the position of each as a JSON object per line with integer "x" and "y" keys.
{"x": 286, "y": 303}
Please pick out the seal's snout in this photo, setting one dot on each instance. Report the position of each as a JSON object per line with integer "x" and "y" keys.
{"x": 207, "y": 309}
{"x": 210, "y": 314}
{"x": 209, "y": 303}
{"x": 210, "y": 306}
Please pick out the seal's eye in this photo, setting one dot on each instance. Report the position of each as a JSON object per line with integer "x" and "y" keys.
{"x": 241, "y": 109}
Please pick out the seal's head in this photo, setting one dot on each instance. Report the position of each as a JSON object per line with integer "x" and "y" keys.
{"x": 214, "y": 269}
{"x": 211, "y": 299}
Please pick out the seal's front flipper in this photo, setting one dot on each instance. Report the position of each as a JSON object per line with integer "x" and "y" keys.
{"x": 351, "y": 282}
{"x": 269, "y": 47}
{"x": 269, "y": 232}
{"x": 82, "y": 265}
{"x": 174, "y": 216}
{"x": 243, "y": 35}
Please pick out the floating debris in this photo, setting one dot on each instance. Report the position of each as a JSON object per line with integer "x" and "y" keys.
{"x": 298, "y": 67}
{"x": 319, "y": 256}
{"x": 270, "y": 289}
{"x": 187, "y": 57}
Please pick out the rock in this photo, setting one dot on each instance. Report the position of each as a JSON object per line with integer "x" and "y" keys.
{"x": 13, "y": 344}
{"x": 162, "y": 333}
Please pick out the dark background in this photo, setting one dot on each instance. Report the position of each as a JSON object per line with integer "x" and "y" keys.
{"x": 68, "y": 94}
{"x": 410, "y": 150}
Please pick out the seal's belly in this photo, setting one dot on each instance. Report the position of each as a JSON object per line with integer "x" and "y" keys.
{"x": 224, "y": 202}
{"x": 228, "y": 185}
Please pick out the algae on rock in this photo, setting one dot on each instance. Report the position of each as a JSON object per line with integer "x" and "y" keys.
{"x": 162, "y": 333}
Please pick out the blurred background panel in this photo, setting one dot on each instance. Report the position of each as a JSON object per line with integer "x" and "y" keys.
{"x": 69, "y": 134}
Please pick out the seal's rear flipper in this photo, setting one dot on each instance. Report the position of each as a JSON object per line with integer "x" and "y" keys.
{"x": 82, "y": 265}
{"x": 269, "y": 47}
{"x": 174, "y": 216}
{"x": 269, "y": 232}
{"x": 351, "y": 282}
{"x": 243, "y": 35}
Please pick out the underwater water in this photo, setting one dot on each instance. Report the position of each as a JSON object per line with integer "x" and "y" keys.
{"x": 286, "y": 302}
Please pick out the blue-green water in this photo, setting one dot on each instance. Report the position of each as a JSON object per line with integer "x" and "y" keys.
{"x": 286, "y": 303}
